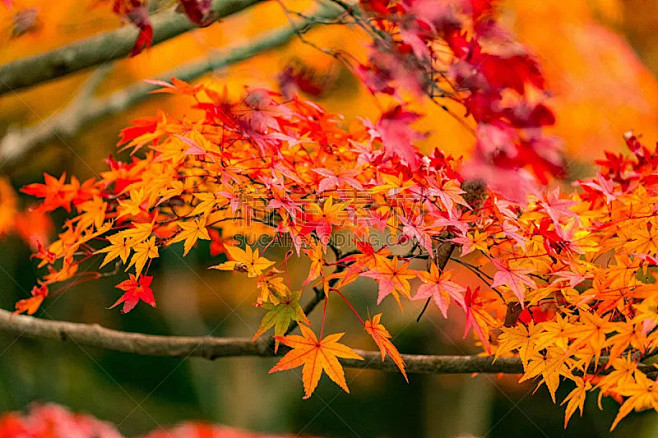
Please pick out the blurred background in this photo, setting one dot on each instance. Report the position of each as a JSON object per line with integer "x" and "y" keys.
{"x": 601, "y": 60}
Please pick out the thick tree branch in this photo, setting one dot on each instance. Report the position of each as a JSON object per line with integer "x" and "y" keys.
{"x": 102, "y": 48}
{"x": 18, "y": 143}
{"x": 212, "y": 348}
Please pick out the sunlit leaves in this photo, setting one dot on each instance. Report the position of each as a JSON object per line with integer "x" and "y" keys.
{"x": 565, "y": 281}
{"x": 245, "y": 260}
{"x": 190, "y": 232}
{"x": 144, "y": 251}
{"x": 576, "y": 399}
{"x": 315, "y": 356}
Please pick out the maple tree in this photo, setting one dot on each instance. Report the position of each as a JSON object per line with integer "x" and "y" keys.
{"x": 567, "y": 277}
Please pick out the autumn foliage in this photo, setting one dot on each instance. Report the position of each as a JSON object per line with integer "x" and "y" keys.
{"x": 567, "y": 277}
{"x": 51, "y": 420}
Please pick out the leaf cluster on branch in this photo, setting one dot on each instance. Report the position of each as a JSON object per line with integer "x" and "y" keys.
{"x": 567, "y": 280}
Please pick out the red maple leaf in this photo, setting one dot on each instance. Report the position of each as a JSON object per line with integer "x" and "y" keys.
{"x": 136, "y": 289}
{"x": 397, "y": 135}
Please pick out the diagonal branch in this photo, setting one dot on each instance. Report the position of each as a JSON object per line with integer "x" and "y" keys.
{"x": 212, "y": 348}
{"x": 102, "y": 48}
{"x": 17, "y": 144}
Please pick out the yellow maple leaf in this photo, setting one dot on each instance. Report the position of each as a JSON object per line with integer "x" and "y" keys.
{"x": 139, "y": 233}
{"x": 642, "y": 394}
{"x": 521, "y": 339}
{"x": 191, "y": 231}
{"x": 119, "y": 247}
{"x": 244, "y": 260}
{"x": 272, "y": 288}
{"x": 143, "y": 252}
{"x": 576, "y": 399}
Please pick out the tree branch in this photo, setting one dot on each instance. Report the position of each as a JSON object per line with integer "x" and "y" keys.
{"x": 212, "y": 348}
{"x": 17, "y": 143}
{"x": 102, "y": 48}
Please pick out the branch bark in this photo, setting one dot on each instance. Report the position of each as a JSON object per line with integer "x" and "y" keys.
{"x": 102, "y": 48}
{"x": 93, "y": 335}
{"x": 18, "y": 143}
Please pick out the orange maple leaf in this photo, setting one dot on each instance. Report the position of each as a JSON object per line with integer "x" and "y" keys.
{"x": 382, "y": 338}
{"x": 315, "y": 355}
{"x": 31, "y": 305}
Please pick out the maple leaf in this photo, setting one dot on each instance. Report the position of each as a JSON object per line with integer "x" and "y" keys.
{"x": 321, "y": 219}
{"x": 31, "y": 305}
{"x": 393, "y": 279}
{"x": 55, "y": 191}
{"x": 417, "y": 230}
{"x": 244, "y": 260}
{"x": 333, "y": 179}
{"x": 550, "y": 366}
{"x": 190, "y": 232}
{"x": 439, "y": 287}
{"x": 520, "y": 338}
{"x": 471, "y": 242}
{"x": 280, "y": 316}
{"x": 642, "y": 394}
{"x": 382, "y": 338}
{"x": 600, "y": 185}
{"x": 272, "y": 288}
{"x": 315, "y": 356}
{"x": 139, "y": 233}
{"x": 119, "y": 247}
{"x": 144, "y": 251}
{"x": 136, "y": 288}
{"x": 316, "y": 254}
{"x": 398, "y": 136}
{"x": 134, "y": 205}
{"x": 576, "y": 399}
{"x": 514, "y": 278}
{"x": 477, "y": 316}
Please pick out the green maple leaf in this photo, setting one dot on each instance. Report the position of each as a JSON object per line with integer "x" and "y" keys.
{"x": 280, "y": 317}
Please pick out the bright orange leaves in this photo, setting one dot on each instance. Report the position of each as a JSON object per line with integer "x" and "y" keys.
{"x": 393, "y": 278}
{"x": 382, "y": 338}
{"x": 315, "y": 356}
{"x": 565, "y": 279}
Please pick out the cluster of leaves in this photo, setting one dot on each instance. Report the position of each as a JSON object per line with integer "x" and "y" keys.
{"x": 51, "y": 421}
{"x": 568, "y": 280}
{"x": 457, "y": 51}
